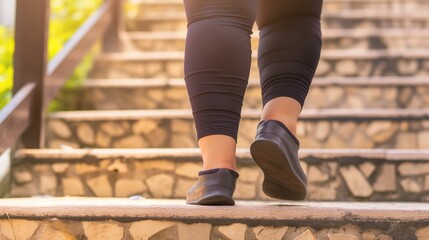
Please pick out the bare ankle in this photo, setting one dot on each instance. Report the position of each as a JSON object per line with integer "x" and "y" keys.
{"x": 218, "y": 151}
{"x": 230, "y": 164}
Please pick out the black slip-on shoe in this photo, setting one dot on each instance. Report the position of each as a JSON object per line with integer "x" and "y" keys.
{"x": 213, "y": 189}
{"x": 275, "y": 151}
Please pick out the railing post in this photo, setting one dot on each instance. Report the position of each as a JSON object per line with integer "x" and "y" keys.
{"x": 30, "y": 61}
{"x": 112, "y": 41}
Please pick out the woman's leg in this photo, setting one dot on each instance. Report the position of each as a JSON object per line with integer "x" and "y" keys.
{"x": 217, "y": 65}
{"x": 288, "y": 55}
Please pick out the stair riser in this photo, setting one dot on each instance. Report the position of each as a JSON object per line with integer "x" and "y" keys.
{"x": 367, "y": 179}
{"x": 206, "y": 229}
{"x": 180, "y": 24}
{"x": 156, "y": 10}
{"x": 176, "y": 97}
{"x": 328, "y": 43}
{"x": 180, "y": 132}
{"x": 347, "y": 66}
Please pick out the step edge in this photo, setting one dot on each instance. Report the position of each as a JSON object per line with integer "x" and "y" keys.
{"x": 242, "y": 211}
{"x": 389, "y": 155}
{"x": 307, "y": 114}
{"x": 328, "y": 33}
{"x": 326, "y": 54}
{"x": 386, "y": 81}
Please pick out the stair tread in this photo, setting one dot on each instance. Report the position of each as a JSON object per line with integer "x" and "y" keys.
{"x": 327, "y": 54}
{"x": 344, "y": 14}
{"x": 328, "y": 33}
{"x": 76, "y": 207}
{"x": 186, "y": 113}
{"x": 317, "y": 81}
{"x": 150, "y": 153}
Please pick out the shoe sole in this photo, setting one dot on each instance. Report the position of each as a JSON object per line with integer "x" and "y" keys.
{"x": 213, "y": 200}
{"x": 280, "y": 180}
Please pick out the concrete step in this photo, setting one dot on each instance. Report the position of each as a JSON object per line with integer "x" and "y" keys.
{"x": 332, "y": 39}
{"x": 158, "y": 8}
{"x": 325, "y": 92}
{"x": 95, "y": 218}
{"x": 386, "y": 62}
{"x": 318, "y": 128}
{"x": 333, "y": 174}
{"x": 365, "y": 19}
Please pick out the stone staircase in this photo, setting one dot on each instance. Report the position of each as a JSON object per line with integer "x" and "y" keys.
{"x": 364, "y": 134}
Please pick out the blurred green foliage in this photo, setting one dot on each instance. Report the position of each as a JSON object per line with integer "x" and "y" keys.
{"x": 66, "y": 17}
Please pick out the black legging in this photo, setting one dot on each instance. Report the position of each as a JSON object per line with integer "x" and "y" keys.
{"x": 218, "y": 55}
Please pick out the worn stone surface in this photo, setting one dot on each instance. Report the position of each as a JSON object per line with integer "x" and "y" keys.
{"x": 386, "y": 180}
{"x": 269, "y": 233}
{"x": 165, "y": 165}
{"x": 413, "y": 169}
{"x": 236, "y": 231}
{"x": 115, "y": 129}
{"x": 423, "y": 137}
{"x": 144, "y": 126}
{"x": 188, "y": 170}
{"x": 103, "y": 230}
{"x": 426, "y": 183}
{"x": 367, "y": 169}
{"x": 118, "y": 166}
{"x": 249, "y": 174}
{"x": 85, "y": 133}
{"x": 321, "y": 193}
{"x": 100, "y": 186}
{"x": 48, "y": 184}
{"x": 316, "y": 175}
{"x": 410, "y": 185}
{"x": 82, "y": 168}
{"x": 195, "y": 231}
{"x": 307, "y": 235}
{"x": 24, "y": 190}
{"x": 245, "y": 190}
{"x": 422, "y": 233}
{"x": 342, "y": 236}
{"x": 406, "y": 140}
{"x": 381, "y": 131}
{"x": 160, "y": 185}
{"x": 62, "y": 144}
{"x": 346, "y": 68}
{"x": 102, "y": 139}
{"x": 182, "y": 187}
{"x": 356, "y": 182}
{"x": 22, "y": 175}
{"x": 59, "y": 128}
{"x": 134, "y": 141}
{"x": 148, "y": 228}
{"x": 159, "y": 138}
{"x": 322, "y": 130}
{"x": 50, "y": 231}
{"x": 60, "y": 167}
{"x": 127, "y": 187}
{"x": 73, "y": 186}
{"x": 18, "y": 229}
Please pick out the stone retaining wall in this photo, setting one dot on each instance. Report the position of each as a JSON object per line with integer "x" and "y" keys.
{"x": 343, "y": 179}
{"x": 179, "y": 132}
{"x": 175, "y": 230}
{"x": 176, "y": 97}
{"x": 349, "y": 66}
